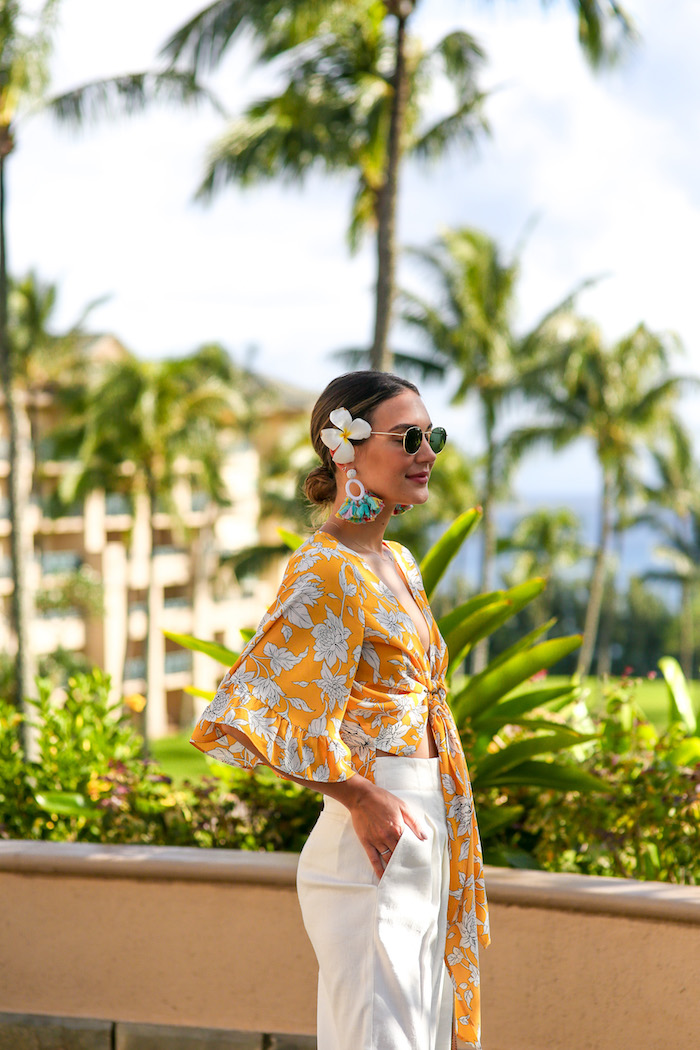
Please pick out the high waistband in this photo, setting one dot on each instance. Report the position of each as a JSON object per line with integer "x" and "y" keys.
{"x": 398, "y": 773}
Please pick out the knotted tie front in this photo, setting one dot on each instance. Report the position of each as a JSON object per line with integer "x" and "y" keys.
{"x": 467, "y": 910}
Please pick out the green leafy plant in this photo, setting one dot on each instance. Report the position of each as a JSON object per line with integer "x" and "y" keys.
{"x": 91, "y": 783}
{"x": 81, "y": 591}
{"x": 645, "y": 822}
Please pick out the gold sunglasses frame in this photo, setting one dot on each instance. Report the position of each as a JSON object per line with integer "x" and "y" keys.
{"x": 424, "y": 434}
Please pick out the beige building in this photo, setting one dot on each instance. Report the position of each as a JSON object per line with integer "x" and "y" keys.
{"x": 192, "y": 594}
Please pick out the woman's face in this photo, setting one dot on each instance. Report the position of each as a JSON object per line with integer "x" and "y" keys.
{"x": 381, "y": 463}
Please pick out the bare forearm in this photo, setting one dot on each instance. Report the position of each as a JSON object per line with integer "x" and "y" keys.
{"x": 378, "y": 816}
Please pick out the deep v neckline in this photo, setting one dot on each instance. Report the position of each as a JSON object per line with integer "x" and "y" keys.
{"x": 419, "y": 606}
{"x": 425, "y": 653}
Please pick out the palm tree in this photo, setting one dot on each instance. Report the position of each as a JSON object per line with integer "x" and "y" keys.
{"x": 468, "y": 330}
{"x": 675, "y": 514}
{"x": 25, "y": 46}
{"x": 621, "y": 398}
{"x": 340, "y": 111}
{"x": 543, "y": 543}
{"x": 139, "y": 427}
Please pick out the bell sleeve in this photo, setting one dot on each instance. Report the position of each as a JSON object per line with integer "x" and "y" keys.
{"x": 290, "y": 687}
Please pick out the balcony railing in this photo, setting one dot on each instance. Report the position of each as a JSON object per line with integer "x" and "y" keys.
{"x": 177, "y": 603}
{"x": 168, "y": 548}
{"x": 117, "y": 503}
{"x": 60, "y": 561}
{"x": 180, "y": 660}
{"x": 135, "y": 667}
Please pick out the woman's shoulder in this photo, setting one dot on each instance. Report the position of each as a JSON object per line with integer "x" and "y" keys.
{"x": 403, "y": 552}
{"x": 408, "y": 561}
{"x": 321, "y": 554}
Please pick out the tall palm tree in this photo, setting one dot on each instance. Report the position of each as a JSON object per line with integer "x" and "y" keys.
{"x": 309, "y": 125}
{"x": 543, "y": 543}
{"x": 26, "y": 33}
{"x": 621, "y": 398}
{"x": 675, "y": 514}
{"x": 138, "y": 426}
{"x": 24, "y": 48}
{"x": 467, "y": 327}
{"x": 340, "y": 110}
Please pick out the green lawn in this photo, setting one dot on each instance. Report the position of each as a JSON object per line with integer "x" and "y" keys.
{"x": 651, "y": 695}
{"x": 181, "y": 761}
{"x": 178, "y": 758}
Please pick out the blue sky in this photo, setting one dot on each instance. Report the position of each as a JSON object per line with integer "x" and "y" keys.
{"x": 607, "y": 164}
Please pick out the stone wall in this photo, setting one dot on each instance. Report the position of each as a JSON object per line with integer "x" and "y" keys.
{"x": 213, "y": 940}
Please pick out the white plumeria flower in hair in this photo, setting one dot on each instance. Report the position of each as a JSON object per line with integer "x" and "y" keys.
{"x": 340, "y": 436}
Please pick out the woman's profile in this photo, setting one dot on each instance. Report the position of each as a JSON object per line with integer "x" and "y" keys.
{"x": 342, "y": 689}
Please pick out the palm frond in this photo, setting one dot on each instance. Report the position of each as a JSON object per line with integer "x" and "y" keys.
{"x": 128, "y": 94}
{"x": 605, "y": 30}
{"x": 461, "y": 128}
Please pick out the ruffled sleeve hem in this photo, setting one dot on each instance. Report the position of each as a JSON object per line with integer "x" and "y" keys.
{"x": 290, "y": 749}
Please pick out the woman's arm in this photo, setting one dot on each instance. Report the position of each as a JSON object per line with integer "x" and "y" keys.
{"x": 378, "y": 817}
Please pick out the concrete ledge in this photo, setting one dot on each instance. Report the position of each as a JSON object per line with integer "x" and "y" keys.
{"x": 171, "y": 863}
{"x": 38, "y": 1032}
{"x": 33, "y": 1032}
{"x": 197, "y": 943}
{"x": 598, "y": 896}
{"x": 536, "y": 889}
{"x": 170, "y": 1037}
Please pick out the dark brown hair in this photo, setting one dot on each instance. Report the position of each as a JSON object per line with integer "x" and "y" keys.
{"x": 360, "y": 393}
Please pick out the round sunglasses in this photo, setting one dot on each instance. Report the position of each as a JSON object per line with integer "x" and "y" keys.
{"x": 412, "y": 438}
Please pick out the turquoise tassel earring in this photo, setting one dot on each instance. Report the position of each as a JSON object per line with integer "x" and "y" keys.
{"x": 401, "y": 508}
{"x": 359, "y": 506}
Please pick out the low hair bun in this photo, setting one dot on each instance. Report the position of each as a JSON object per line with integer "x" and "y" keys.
{"x": 320, "y": 486}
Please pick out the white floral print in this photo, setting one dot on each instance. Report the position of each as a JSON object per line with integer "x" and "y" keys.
{"x": 335, "y": 672}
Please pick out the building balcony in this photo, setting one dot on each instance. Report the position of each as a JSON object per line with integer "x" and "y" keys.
{"x": 117, "y": 504}
{"x": 58, "y": 631}
{"x": 134, "y": 669}
{"x": 53, "y": 562}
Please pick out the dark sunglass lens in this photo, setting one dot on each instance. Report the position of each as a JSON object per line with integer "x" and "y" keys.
{"x": 412, "y": 440}
{"x": 437, "y": 438}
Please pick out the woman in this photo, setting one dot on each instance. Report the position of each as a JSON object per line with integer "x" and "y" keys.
{"x": 343, "y": 687}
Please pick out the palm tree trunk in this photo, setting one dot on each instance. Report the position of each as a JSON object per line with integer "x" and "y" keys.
{"x": 595, "y": 598}
{"x": 480, "y": 656}
{"x": 380, "y": 356}
{"x": 607, "y": 623}
{"x": 19, "y": 603}
{"x": 687, "y": 645}
{"x": 150, "y": 623}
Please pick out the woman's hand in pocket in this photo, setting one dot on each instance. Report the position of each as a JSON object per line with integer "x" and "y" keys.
{"x": 380, "y": 819}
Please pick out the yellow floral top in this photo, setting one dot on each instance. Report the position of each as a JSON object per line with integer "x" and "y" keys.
{"x": 337, "y": 671}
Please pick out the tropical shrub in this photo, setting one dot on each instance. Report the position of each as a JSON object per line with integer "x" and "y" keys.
{"x": 645, "y": 823}
{"x": 92, "y": 783}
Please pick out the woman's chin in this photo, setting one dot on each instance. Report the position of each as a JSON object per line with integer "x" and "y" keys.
{"x": 419, "y": 495}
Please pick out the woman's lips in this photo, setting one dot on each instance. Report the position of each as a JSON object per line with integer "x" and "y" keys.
{"x": 419, "y": 478}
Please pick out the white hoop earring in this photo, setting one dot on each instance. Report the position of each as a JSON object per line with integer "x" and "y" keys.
{"x": 361, "y": 507}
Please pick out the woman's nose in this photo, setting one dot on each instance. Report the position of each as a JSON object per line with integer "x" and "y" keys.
{"x": 425, "y": 453}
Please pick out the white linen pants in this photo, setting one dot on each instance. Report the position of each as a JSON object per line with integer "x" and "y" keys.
{"x": 380, "y": 944}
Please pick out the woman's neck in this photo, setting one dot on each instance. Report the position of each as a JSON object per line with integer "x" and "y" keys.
{"x": 367, "y": 538}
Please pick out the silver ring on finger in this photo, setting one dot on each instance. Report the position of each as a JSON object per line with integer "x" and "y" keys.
{"x": 383, "y": 851}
